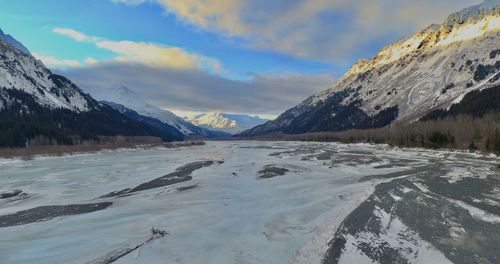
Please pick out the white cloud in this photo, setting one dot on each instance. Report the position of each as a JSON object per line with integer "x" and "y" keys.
{"x": 146, "y": 53}
{"x": 197, "y": 91}
{"x": 91, "y": 61}
{"x": 332, "y": 30}
{"x": 173, "y": 78}
{"x": 72, "y": 34}
{"x": 55, "y": 63}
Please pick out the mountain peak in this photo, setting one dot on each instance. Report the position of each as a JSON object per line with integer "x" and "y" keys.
{"x": 123, "y": 89}
{"x": 463, "y": 25}
{"x": 14, "y": 42}
{"x": 473, "y": 13}
{"x": 231, "y": 123}
{"x": 30, "y": 76}
{"x": 432, "y": 69}
{"x": 128, "y": 98}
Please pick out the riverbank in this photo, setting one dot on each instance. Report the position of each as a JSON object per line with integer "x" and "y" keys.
{"x": 60, "y": 150}
{"x": 464, "y": 133}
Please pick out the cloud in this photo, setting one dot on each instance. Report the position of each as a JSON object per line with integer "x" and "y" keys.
{"x": 196, "y": 90}
{"x": 53, "y": 62}
{"x": 129, "y": 2}
{"x": 173, "y": 78}
{"x": 222, "y": 15}
{"x": 75, "y": 35}
{"x": 332, "y": 30}
{"x": 91, "y": 61}
{"x": 145, "y": 53}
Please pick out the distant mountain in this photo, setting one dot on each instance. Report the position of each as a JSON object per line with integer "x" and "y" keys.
{"x": 38, "y": 107}
{"x": 14, "y": 42}
{"x": 131, "y": 100}
{"x": 153, "y": 122}
{"x": 231, "y": 123}
{"x": 430, "y": 70}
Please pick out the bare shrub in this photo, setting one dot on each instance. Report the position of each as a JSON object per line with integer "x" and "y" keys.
{"x": 157, "y": 231}
{"x": 462, "y": 132}
{"x": 102, "y": 143}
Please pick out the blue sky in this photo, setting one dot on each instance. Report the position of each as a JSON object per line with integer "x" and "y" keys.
{"x": 266, "y": 55}
{"x": 32, "y": 22}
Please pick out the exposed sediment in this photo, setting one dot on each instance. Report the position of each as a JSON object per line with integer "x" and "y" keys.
{"x": 45, "y": 213}
{"x": 417, "y": 217}
{"x": 270, "y": 171}
{"x": 181, "y": 174}
{"x": 14, "y": 193}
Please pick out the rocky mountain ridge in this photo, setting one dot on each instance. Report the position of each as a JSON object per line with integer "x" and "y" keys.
{"x": 430, "y": 70}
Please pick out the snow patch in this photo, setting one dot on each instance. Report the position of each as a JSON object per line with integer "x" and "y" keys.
{"x": 394, "y": 234}
{"x": 476, "y": 212}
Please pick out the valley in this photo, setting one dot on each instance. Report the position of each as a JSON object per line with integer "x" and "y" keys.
{"x": 230, "y": 202}
{"x": 248, "y": 132}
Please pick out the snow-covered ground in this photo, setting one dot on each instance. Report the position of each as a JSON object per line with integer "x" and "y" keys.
{"x": 227, "y": 215}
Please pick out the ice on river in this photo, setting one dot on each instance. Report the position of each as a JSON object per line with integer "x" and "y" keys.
{"x": 225, "y": 214}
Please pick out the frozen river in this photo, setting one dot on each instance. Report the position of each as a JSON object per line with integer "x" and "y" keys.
{"x": 224, "y": 202}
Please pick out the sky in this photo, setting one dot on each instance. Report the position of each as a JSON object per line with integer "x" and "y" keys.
{"x": 235, "y": 56}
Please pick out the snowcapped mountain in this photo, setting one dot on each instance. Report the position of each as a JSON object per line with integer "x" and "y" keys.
{"x": 38, "y": 107}
{"x": 150, "y": 121}
{"x": 21, "y": 71}
{"x": 131, "y": 100}
{"x": 128, "y": 98}
{"x": 429, "y": 70}
{"x": 231, "y": 123}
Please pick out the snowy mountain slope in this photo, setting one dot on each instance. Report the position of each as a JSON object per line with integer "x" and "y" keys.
{"x": 231, "y": 123}
{"x": 21, "y": 71}
{"x": 150, "y": 121}
{"x": 429, "y": 70}
{"x": 128, "y": 98}
{"x": 39, "y": 108}
{"x": 14, "y": 42}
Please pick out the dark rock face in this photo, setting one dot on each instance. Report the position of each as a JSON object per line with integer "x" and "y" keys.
{"x": 494, "y": 53}
{"x": 476, "y": 103}
{"x": 482, "y": 71}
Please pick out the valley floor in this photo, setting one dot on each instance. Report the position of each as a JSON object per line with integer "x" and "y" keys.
{"x": 252, "y": 202}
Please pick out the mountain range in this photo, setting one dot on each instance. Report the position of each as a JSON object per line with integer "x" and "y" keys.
{"x": 433, "y": 73}
{"x": 125, "y": 97}
{"x": 230, "y": 123}
{"x": 428, "y": 71}
{"x": 40, "y": 107}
